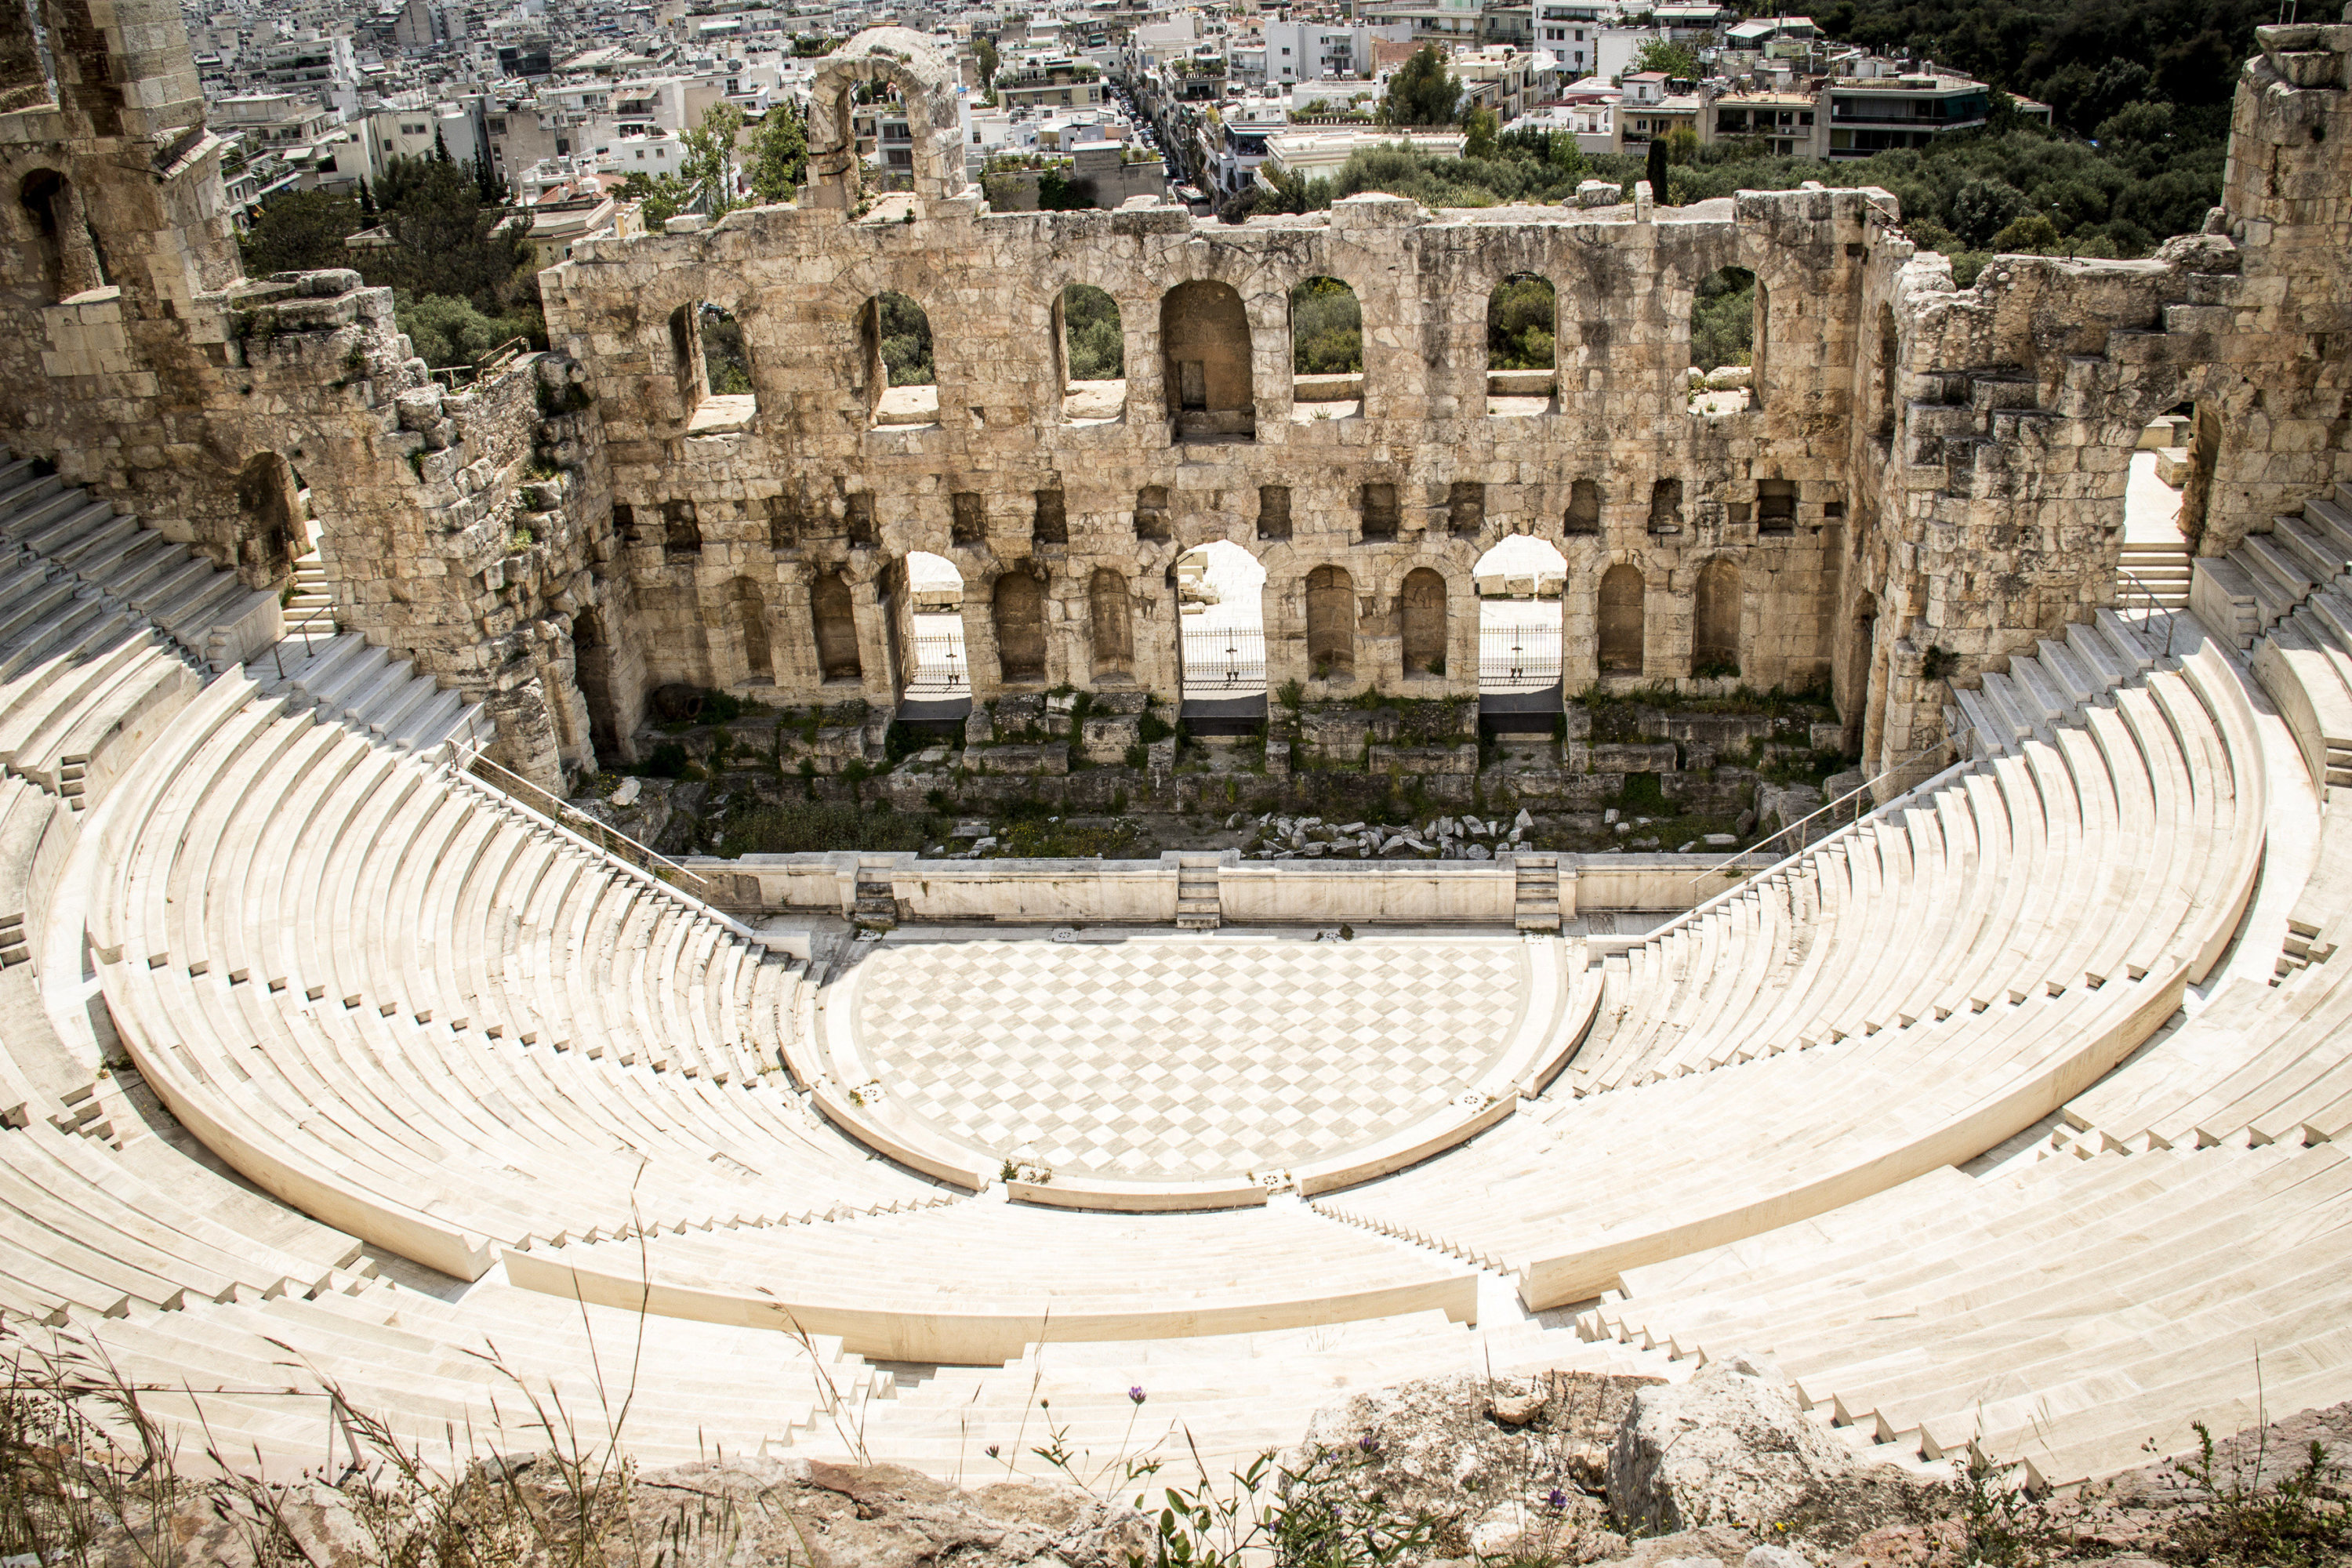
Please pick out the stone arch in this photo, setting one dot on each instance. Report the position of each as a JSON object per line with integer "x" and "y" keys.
{"x": 1421, "y": 615}
{"x": 1204, "y": 344}
{"x": 927, "y": 83}
{"x": 270, "y": 529}
{"x": 1327, "y": 345}
{"x": 831, "y": 614}
{"x": 1018, "y": 613}
{"x": 1714, "y": 619}
{"x": 747, "y": 608}
{"x": 1621, "y": 619}
{"x": 69, "y": 261}
{"x": 1726, "y": 313}
{"x": 1330, "y": 623}
{"x": 894, "y": 332}
{"x": 1111, "y": 626}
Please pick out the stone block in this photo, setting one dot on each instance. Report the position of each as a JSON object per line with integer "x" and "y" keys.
{"x": 1107, "y": 736}
{"x": 1623, "y": 757}
{"x": 1021, "y": 760}
{"x": 1336, "y": 733}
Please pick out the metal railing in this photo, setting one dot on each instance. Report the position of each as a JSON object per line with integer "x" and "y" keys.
{"x": 490, "y": 363}
{"x": 1223, "y": 659}
{"x": 939, "y": 666}
{"x": 300, "y": 628}
{"x": 1935, "y": 761}
{"x": 2154, "y": 606}
{"x": 1518, "y": 655}
{"x": 606, "y": 840}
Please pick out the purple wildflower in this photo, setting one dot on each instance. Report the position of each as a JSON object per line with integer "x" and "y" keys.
{"x": 1136, "y": 1393}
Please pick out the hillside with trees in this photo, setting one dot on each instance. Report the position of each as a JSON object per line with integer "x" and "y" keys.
{"x": 2139, "y": 92}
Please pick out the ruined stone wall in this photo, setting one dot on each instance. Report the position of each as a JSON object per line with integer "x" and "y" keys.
{"x": 785, "y": 496}
{"x": 1997, "y": 422}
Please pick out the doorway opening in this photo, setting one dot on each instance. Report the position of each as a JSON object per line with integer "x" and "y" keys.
{"x": 1520, "y": 582}
{"x": 1221, "y": 632}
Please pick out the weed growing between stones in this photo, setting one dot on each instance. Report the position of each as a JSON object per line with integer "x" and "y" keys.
{"x": 2303, "y": 1519}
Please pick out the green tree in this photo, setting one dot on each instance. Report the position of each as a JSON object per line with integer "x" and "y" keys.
{"x": 1326, "y": 329}
{"x": 1478, "y": 127}
{"x": 442, "y": 240}
{"x": 1676, "y": 60}
{"x": 1655, "y": 170}
{"x": 301, "y": 231}
{"x": 906, "y": 341}
{"x": 1723, "y": 319}
{"x": 1058, "y": 192}
{"x": 1682, "y": 146}
{"x": 726, "y": 367}
{"x": 779, "y": 155}
{"x": 1098, "y": 349}
{"x": 1422, "y": 91}
{"x": 708, "y": 163}
{"x": 659, "y": 198}
{"x": 1519, "y": 316}
{"x": 985, "y": 48}
{"x": 450, "y": 332}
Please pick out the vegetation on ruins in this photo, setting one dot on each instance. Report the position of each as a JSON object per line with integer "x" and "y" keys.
{"x": 1326, "y": 329}
{"x": 1519, "y": 317}
{"x": 1723, "y": 319}
{"x": 1098, "y": 349}
{"x": 906, "y": 341}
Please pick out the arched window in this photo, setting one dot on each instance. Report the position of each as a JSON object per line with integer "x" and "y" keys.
{"x": 1019, "y": 614}
{"x": 1330, "y": 623}
{"x": 1522, "y": 324}
{"x": 1621, "y": 620}
{"x": 748, "y": 611}
{"x": 1422, "y": 617}
{"x": 1715, "y": 621}
{"x": 1327, "y": 351}
{"x": 713, "y": 369}
{"x": 900, "y": 379}
{"x": 1725, "y": 311}
{"x": 270, "y": 529}
{"x": 1093, "y": 354}
{"x": 1112, "y": 638}
{"x": 1205, "y": 342}
{"x": 836, "y": 628}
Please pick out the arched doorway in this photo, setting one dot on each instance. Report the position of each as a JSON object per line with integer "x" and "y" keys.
{"x": 1221, "y": 632}
{"x": 1520, "y": 582}
{"x": 937, "y": 670}
{"x": 1204, "y": 344}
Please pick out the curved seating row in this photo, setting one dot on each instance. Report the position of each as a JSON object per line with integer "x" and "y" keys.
{"x": 496, "y": 1369}
{"x": 2074, "y": 942}
{"x": 977, "y": 1281}
{"x": 2035, "y": 1314}
{"x": 2260, "y": 1063}
{"x": 433, "y": 1023}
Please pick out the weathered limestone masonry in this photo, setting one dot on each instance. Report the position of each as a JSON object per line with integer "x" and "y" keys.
{"x": 808, "y": 483}
{"x": 1927, "y": 477}
{"x": 133, "y": 357}
{"x": 1994, "y": 435}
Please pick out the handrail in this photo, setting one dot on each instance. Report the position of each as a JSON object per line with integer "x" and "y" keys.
{"x": 1823, "y": 809}
{"x": 1688, "y": 915}
{"x": 601, "y": 835}
{"x": 490, "y": 363}
{"x": 300, "y": 628}
{"x": 2155, "y": 605}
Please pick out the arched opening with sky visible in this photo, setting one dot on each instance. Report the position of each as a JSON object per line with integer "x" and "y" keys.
{"x": 1520, "y": 582}
{"x": 1220, "y": 635}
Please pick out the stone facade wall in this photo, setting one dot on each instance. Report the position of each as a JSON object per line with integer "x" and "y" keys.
{"x": 590, "y": 525}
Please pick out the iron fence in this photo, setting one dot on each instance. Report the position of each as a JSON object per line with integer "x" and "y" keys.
{"x": 1219, "y": 659}
{"x": 1518, "y": 656}
{"x": 939, "y": 666}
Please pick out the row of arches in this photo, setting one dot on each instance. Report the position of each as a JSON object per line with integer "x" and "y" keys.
{"x": 1206, "y": 346}
{"x": 1221, "y": 624}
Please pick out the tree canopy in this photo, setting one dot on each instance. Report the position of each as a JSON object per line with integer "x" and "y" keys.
{"x": 1422, "y": 91}
{"x": 1326, "y": 329}
{"x": 1677, "y": 60}
{"x": 1098, "y": 351}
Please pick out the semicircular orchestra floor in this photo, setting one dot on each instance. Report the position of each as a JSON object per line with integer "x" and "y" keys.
{"x": 1183, "y": 1058}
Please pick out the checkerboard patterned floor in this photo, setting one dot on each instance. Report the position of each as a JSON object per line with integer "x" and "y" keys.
{"x": 1181, "y": 1059}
